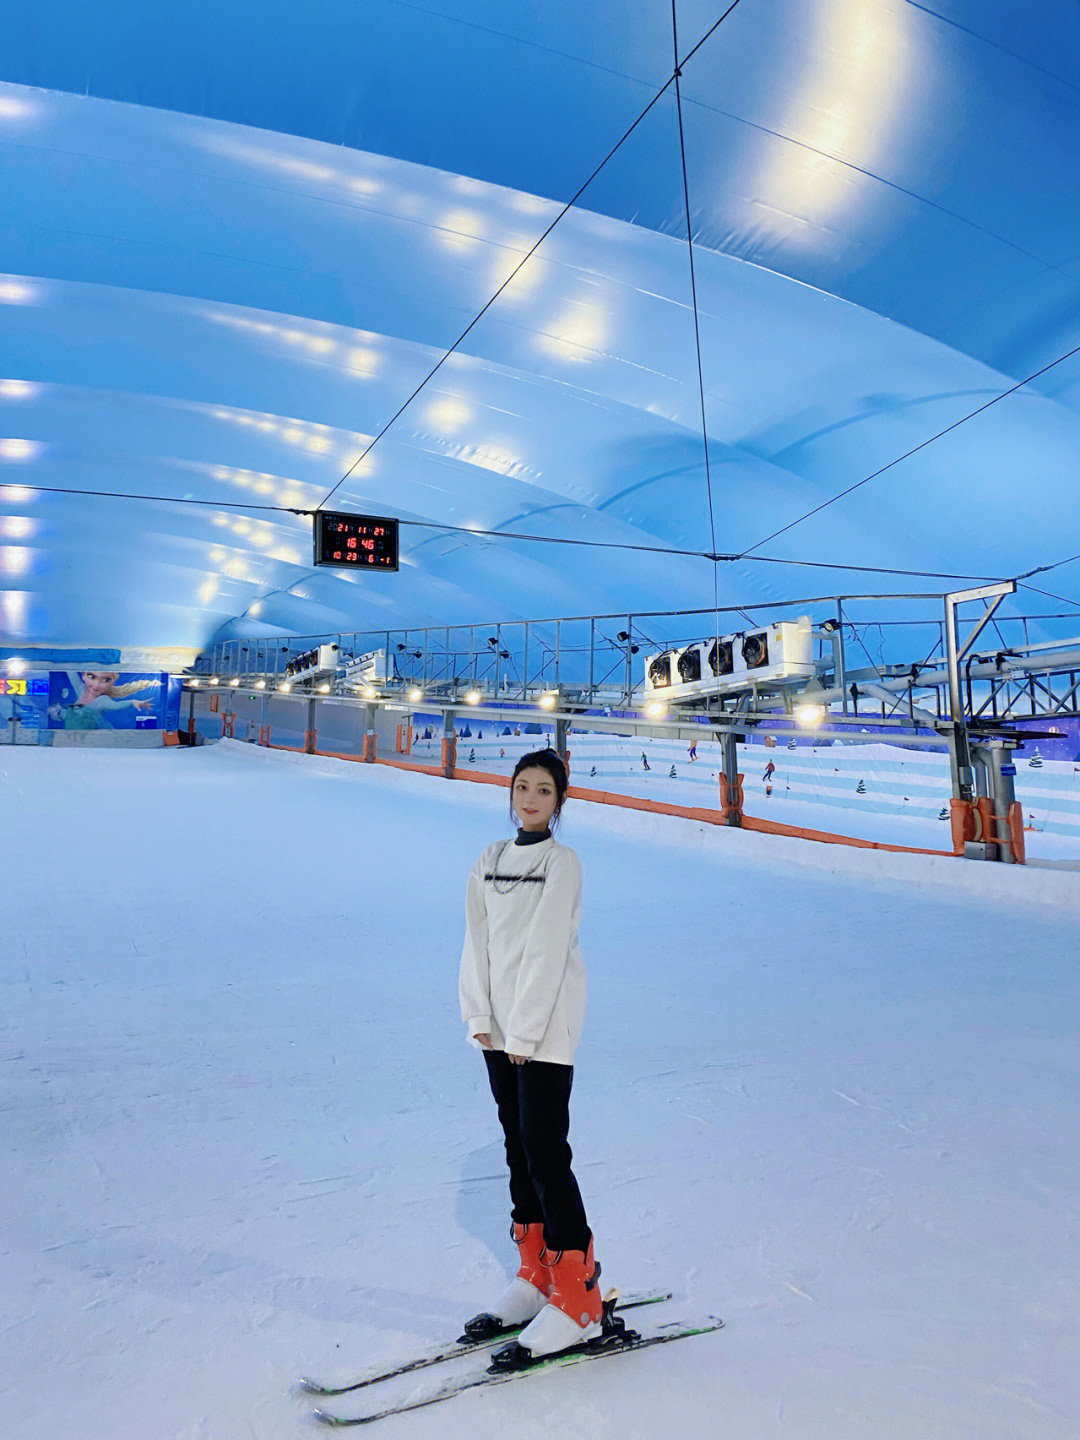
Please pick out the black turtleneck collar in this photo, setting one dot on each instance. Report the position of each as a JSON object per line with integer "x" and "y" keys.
{"x": 532, "y": 837}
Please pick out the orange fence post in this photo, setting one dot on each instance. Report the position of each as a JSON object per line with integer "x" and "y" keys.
{"x": 728, "y": 809}
{"x": 962, "y": 823}
{"x": 449, "y": 755}
{"x": 1016, "y": 832}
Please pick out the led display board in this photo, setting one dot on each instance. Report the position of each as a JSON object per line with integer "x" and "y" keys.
{"x": 367, "y": 542}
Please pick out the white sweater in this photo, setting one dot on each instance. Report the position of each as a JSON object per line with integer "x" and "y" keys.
{"x": 522, "y": 976}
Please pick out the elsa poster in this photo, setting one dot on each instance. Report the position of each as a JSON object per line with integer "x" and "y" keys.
{"x": 105, "y": 700}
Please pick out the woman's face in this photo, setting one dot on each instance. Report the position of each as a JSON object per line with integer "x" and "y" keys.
{"x": 534, "y": 798}
{"x": 96, "y": 681}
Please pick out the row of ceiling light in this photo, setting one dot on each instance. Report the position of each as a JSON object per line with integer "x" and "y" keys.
{"x": 548, "y": 700}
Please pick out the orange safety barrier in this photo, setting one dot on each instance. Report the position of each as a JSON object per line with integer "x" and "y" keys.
{"x": 962, "y": 823}
{"x": 214, "y": 698}
{"x": 1016, "y": 833}
{"x": 227, "y": 722}
{"x": 310, "y": 737}
{"x": 191, "y": 725}
{"x": 171, "y": 737}
{"x": 659, "y": 807}
{"x": 726, "y": 807}
{"x": 415, "y": 765}
{"x": 369, "y": 747}
{"x": 486, "y": 778}
{"x": 985, "y": 820}
{"x": 397, "y": 741}
{"x": 825, "y": 837}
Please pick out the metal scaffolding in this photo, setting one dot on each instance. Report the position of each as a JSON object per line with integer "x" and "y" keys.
{"x": 580, "y": 672}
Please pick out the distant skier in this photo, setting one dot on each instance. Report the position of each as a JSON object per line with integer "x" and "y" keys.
{"x": 693, "y": 750}
{"x": 644, "y": 761}
{"x": 522, "y": 993}
{"x": 770, "y": 771}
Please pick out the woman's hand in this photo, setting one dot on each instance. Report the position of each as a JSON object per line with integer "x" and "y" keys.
{"x": 485, "y": 1041}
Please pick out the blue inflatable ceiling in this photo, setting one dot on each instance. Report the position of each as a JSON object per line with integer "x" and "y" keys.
{"x": 235, "y": 239}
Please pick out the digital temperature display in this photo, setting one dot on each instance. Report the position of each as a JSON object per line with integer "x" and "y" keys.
{"x": 363, "y": 542}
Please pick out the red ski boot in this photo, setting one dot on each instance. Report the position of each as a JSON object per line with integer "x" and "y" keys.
{"x": 527, "y": 1293}
{"x": 575, "y": 1307}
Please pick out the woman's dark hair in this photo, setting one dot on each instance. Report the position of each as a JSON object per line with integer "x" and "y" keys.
{"x": 552, "y": 762}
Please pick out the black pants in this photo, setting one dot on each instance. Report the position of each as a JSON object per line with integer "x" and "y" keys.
{"x": 534, "y": 1111}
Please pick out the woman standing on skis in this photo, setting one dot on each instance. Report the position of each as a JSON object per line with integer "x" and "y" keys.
{"x": 522, "y": 992}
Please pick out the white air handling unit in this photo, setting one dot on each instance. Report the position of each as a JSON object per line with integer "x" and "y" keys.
{"x": 372, "y": 668}
{"x": 772, "y": 655}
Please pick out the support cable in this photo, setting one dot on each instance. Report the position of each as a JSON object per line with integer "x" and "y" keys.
{"x": 532, "y": 251}
{"x": 1042, "y": 569}
{"x": 247, "y": 507}
{"x": 1049, "y": 594}
{"x": 697, "y": 328}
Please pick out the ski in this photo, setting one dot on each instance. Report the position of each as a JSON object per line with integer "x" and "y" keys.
{"x": 613, "y": 1342}
{"x": 451, "y": 1352}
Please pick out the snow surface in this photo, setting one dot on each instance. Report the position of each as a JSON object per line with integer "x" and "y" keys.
{"x": 829, "y": 1094}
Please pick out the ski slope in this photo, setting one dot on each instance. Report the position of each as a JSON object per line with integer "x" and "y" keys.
{"x": 828, "y": 1094}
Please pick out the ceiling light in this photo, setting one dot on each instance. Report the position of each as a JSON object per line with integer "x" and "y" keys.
{"x": 809, "y": 714}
